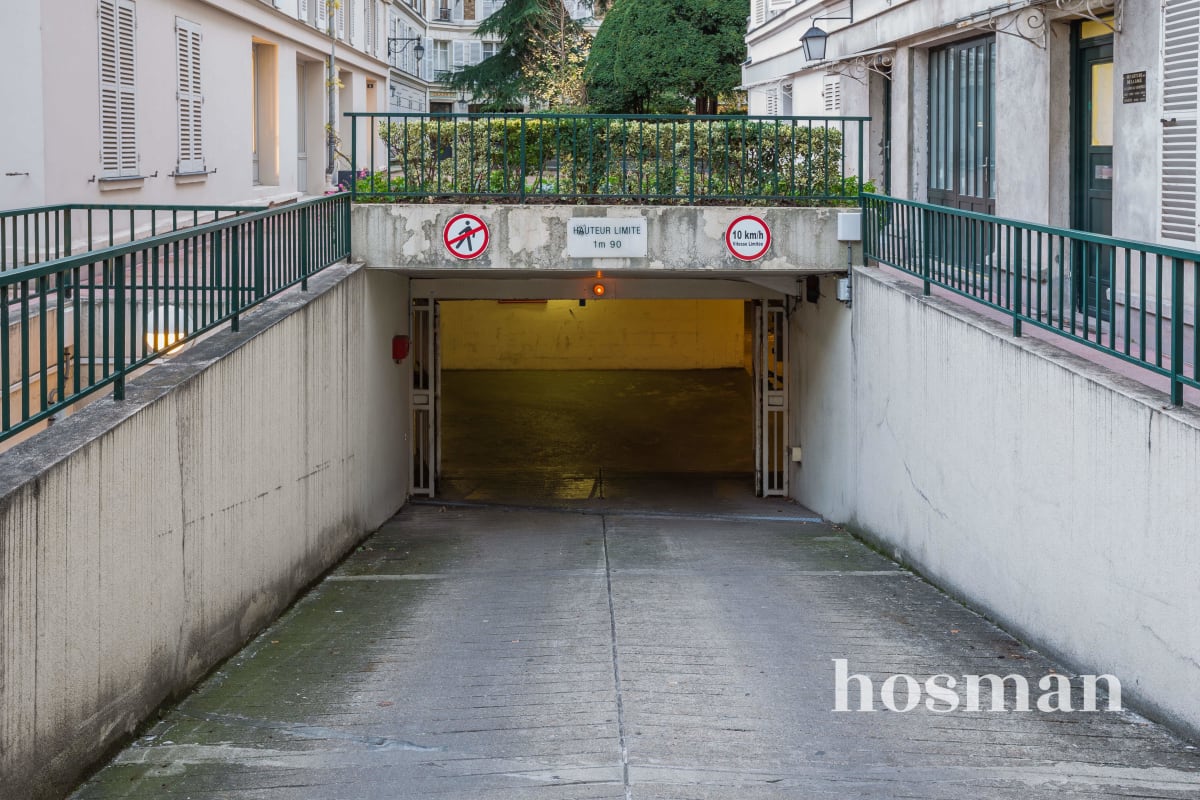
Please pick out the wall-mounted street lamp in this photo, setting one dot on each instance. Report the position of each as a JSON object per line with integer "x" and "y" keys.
{"x": 418, "y": 51}
{"x": 166, "y": 326}
{"x": 814, "y": 39}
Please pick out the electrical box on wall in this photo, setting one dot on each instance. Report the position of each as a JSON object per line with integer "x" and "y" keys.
{"x": 843, "y": 290}
{"x": 849, "y": 226}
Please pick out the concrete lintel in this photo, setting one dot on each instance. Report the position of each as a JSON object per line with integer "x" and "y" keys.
{"x": 680, "y": 239}
{"x": 616, "y": 288}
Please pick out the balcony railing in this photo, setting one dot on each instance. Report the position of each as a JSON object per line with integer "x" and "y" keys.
{"x": 1133, "y": 300}
{"x": 80, "y": 323}
{"x": 607, "y": 159}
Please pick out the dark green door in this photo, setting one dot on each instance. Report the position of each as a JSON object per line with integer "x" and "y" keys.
{"x": 1092, "y": 170}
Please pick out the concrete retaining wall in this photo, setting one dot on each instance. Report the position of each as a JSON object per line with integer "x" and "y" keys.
{"x": 142, "y": 542}
{"x": 1056, "y": 496}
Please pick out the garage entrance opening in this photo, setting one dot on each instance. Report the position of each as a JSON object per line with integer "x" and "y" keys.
{"x": 604, "y": 399}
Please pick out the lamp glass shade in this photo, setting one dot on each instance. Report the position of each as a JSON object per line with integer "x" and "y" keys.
{"x": 813, "y": 42}
{"x": 419, "y": 51}
{"x": 166, "y": 326}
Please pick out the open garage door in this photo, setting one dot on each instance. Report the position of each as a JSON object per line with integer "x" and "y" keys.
{"x": 579, "y": 400}
{"x": 426, "y": 403}
{"x": 771, "y": 399}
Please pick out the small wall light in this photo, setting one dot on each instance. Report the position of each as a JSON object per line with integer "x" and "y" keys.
{"x": 599, "y": 290}
{"x": 814, "y": 39}
{"x": 167, "y": 325}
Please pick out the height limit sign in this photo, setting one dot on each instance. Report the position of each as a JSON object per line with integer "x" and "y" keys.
{"x": 466, "y": 236}
{"x": 748, "y": 238}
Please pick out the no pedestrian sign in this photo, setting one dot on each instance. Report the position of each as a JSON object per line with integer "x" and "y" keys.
{"x": 748, "y": 238}
{"x": 466, "y": 236}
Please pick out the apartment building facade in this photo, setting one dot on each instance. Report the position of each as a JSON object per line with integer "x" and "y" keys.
{"x": 1073, "y": 113}
{"x": 183, "y": 101}
{"x": 446, "y": 32}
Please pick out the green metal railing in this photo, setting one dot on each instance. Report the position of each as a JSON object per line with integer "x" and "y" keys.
{"x": 604, "y": 158}
{"x": 80, "y": 323}
{"x": 32, "y": 235}
{"x": 1132, "y": 300}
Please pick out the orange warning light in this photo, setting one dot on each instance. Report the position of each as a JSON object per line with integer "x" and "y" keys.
{"x": 599, "y": 290}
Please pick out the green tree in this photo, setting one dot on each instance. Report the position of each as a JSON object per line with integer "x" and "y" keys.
{"x": 655, "y": 55}
{"x": 541, "y": 56}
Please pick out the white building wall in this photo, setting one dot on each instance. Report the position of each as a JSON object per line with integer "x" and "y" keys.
{"x": 58, "y": 142}
{"x": 23, "y": 155}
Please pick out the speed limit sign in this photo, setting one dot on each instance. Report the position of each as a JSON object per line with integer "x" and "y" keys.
{"x": 748, "y": 238}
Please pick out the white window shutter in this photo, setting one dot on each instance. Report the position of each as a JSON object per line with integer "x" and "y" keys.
{"x": 322, "y": 15}
{"x": 832, "y": 92}
{"x": 772, "y": 102}
{"x": 368, "y": 44}
{"x": 426, "y": 66}
{"x": 189, "y": 97}
{"x": 339, "y": 20}
{"x": 118, "y": 88}
{"x": 302, "y": 11}
{"x": 352, "y": 14}
{"x": 1181, "y": 98}
{"x": 460, "y": 54}
{"x": 110, "y": 115}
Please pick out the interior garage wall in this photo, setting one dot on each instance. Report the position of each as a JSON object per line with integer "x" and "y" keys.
{"x": 141, "y": 542}
{"x": 1055, "y": 496}
{"x": 604, "y": 334}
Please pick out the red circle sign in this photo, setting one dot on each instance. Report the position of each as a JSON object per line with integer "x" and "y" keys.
{"x": 466, "y": 236}
{"x": 748, "y": 238}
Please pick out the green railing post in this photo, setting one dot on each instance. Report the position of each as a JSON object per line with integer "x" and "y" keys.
{"x": 862, "y": 178}
{"x": 260, "y": 274}
{"x": 119, "y": 334}
{"x": 926, "y": 248}
{"x": 303, "y": 248}
{"x": 521, "y": 173}
{"x": 1017, "y": 281}
{"x": 235, "y": 278}
{"x": 344, "y": 242}
{"x": 354, "y": 157}
{"x": 692, "y": 160}
{"x": 1176, "y": 331}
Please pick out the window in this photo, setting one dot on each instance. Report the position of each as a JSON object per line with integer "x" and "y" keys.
{"x": 264, "y": 128}
{"x": 372, "y": 13}
{"x": 490, "y": 49}
{"x": 189, "y": 97}
{"x": 467, "y": 54}
{"x": 118, "y": 89}
{"x": 441, "y": 58}
{"x": 962, "y": 146}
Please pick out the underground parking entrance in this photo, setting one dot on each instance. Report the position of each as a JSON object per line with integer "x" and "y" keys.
{"x": 593, "y": 389}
